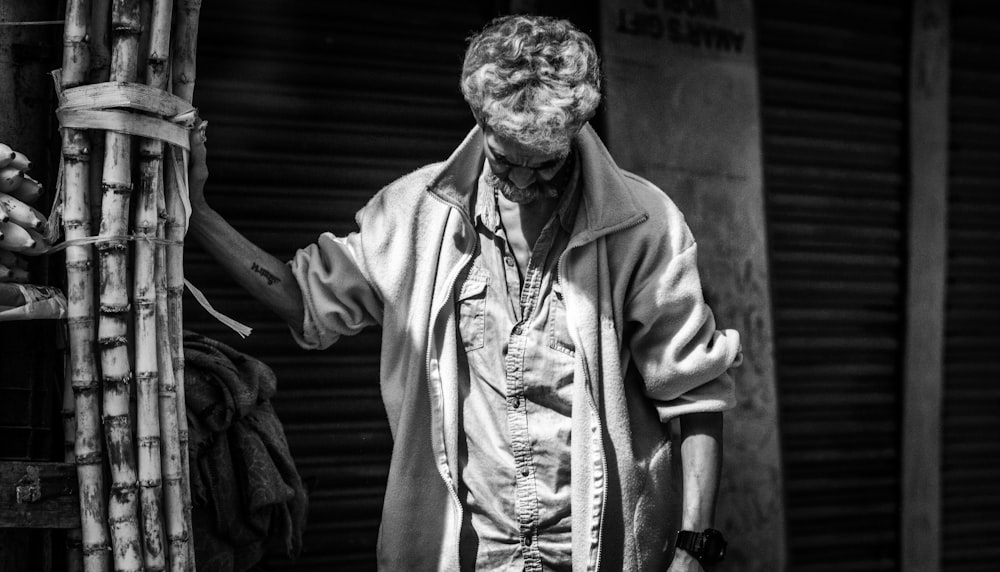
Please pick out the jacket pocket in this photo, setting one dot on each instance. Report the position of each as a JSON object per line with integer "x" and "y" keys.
{"x": 471, "y": 309}
{"x": 558, "y": 331}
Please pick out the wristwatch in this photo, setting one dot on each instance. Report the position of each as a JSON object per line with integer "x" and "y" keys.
{"x": 707, "y": 546}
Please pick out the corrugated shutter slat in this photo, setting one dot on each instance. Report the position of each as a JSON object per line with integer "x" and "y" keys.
{"x": 971, "y": 454}
{"x": 832, "y": 87}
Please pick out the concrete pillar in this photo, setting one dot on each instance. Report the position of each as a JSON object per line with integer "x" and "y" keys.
{"x": 683, "y": 110}
{"x": 923, "y": 361}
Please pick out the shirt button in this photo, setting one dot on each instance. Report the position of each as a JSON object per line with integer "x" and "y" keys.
{"x": 527, "y": 541}
{"x": 515, "y": 402}
{"x": 509, "y": 261}
{"x": 517, "y": 330}
{"x": 524, "y": 472}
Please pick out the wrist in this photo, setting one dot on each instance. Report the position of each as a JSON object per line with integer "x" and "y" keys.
{"x": 682, "y": 556}
{"x": 201, "y": 217}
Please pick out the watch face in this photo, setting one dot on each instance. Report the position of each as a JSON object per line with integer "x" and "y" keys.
{"x": 714, "y": 548}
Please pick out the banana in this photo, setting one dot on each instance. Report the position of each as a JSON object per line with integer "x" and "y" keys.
{"x": 8, "y": 274}
{"x": 10, "y": 178}
{"x": 28, "y": 191}
{"x": 6, "y": 155}
{"x": 19, "y": 239}
{"x": 3, "y": 214}
{"x": 11, "y": 260}
{"x": 21, "y": 213}
{"x": 20, "y": 161}
{"x": 42, "y": 244}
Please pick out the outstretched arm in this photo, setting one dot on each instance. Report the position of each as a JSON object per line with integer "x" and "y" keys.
{"x": 701, "y": 465}
{"x": 264, "y": 276}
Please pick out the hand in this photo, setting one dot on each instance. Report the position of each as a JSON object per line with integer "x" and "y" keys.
{"x": 197, "y": 166}
{"x": 684, "y": 562}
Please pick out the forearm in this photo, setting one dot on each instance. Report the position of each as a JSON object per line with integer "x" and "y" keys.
{"x": 701, "y": 466}
{"x": 265, "y": 277}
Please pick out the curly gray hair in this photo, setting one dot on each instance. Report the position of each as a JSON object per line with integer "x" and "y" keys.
{"x": 532, "y": 79}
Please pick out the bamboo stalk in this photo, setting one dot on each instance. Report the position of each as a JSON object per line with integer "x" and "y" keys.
{"x": 100, "y": 69}
{"x": 116, "y": 189}
{"x": 184, "y": 66}
{"x": 80, "y": 304}
{"x": 157, "y": 44}
{"x": 152, "y": 202}
{"x": 74, "y": 536}
{"x": 177, "y": 522}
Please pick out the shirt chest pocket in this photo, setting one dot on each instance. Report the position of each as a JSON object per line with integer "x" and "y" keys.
{"x": 471, "y": 311}
{"x": 557, "y": 329}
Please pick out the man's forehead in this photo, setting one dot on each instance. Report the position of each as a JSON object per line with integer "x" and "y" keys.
{"x": 518, "y": 153}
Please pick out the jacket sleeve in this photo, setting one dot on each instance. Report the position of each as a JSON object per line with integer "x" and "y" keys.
{"x": 683, "y": 360}
{"x": 337, "y": 295}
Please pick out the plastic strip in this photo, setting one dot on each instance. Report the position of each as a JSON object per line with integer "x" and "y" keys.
{"x": 241, "y": 329}
{"x": 125, "y": 122}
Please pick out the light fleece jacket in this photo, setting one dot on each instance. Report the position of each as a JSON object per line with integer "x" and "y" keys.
{"x": 647, "y": 350}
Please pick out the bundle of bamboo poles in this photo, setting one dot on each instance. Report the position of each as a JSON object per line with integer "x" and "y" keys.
{"x": 131, "y": 307}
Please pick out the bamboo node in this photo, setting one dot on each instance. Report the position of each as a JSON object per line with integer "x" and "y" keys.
{"x": 92, "y": 549}
{"x": 147, "y": 376}
{"x": 77, "y": 225}
{"x": 80, "y": 265}
{"x": 79, "y": 320}
{"x": 90, "y": 458}
{"x": 84, "y": 386}
{"x": 111, "y": 245}
{"x": 72, "y": 41}
{"x": 117, "y": 188}
{"x": 123, "y": 493}
{"x": 83, "y": 156}
{"x": 112, "y": 342}
{"x": 112, "y": 309}
{"x": 149, "y": 483}
{"x": 122, "y": 30}
{"x": 149, "y": 440}
{"x": 120, "y": 381}
{"x": 151, "y": 154}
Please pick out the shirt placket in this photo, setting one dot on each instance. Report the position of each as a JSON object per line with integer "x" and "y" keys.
{"x": 517, "y": 416}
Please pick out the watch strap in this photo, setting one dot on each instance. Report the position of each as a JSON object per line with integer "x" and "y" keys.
{"x": 707, "y": 546}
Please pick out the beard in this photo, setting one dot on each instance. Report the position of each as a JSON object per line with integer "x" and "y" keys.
{"x": 546, "y": 189}
{"x": 524, "y": 196}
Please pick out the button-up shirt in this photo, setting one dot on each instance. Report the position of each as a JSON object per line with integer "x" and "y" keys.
{"x": 516, "y": 381}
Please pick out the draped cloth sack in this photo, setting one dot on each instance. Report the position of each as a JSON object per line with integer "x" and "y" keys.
{"x": 247, "y": 494}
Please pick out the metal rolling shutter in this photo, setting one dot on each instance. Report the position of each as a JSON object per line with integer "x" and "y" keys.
{"x": 971, "y": 448}
{"x": 314, "y": 106}
{"x": 833, "y": 94}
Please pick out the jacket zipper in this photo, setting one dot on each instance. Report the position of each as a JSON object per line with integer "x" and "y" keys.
{"x": 560, "y": 275}
{"x": 445, "y": 473}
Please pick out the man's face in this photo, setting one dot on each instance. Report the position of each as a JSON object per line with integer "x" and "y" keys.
{"x": 522, "y": 174}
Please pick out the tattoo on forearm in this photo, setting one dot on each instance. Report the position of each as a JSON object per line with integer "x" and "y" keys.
{"x": 270, "y": 277}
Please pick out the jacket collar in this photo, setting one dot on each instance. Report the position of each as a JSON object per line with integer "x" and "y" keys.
{"x": 605, "y": 202}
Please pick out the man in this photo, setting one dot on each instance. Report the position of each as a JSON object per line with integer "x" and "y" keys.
{"x": 543, "y": 322}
